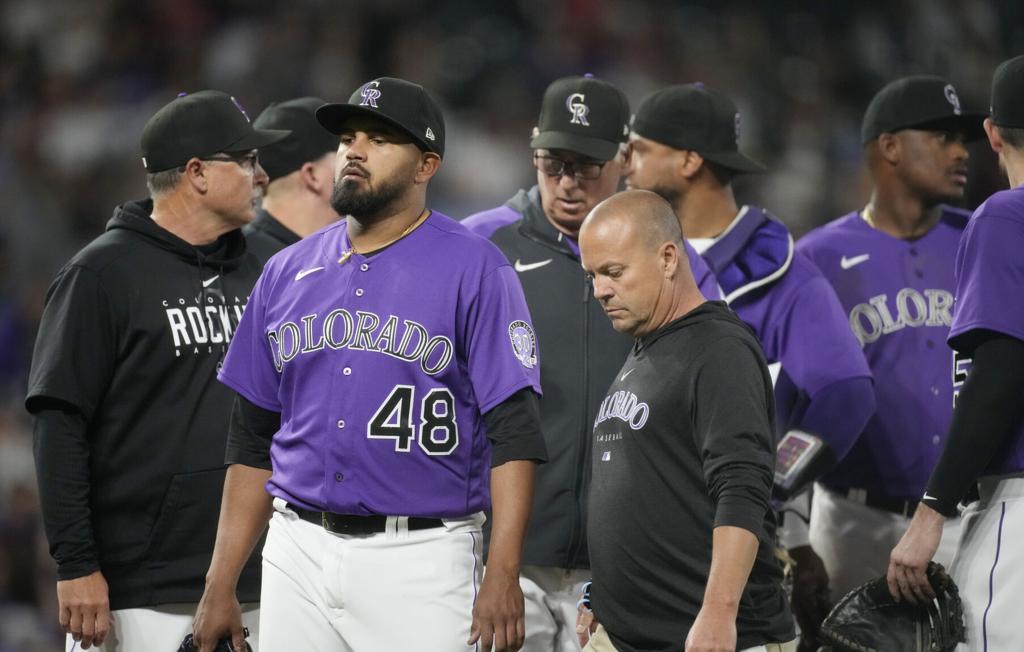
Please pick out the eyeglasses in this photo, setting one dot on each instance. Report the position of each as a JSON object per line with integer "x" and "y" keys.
{"x": 246, "y": 161}
{"x": 556, "y": 167}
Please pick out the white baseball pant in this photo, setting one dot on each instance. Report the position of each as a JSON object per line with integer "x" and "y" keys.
{"x": 551, "y": 595}
{"x": 854, "y": 540}
{"x": 396, "y": 590}
{"x": 989, "y": 566}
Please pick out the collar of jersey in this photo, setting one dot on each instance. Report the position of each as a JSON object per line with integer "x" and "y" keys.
{"x": 754, "y": 252}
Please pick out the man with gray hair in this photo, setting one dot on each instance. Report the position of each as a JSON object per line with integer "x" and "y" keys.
{"x": 130, "y": 421}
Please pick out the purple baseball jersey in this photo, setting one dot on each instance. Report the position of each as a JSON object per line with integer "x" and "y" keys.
{"x": 899, "y": 297}
{"x": 990, "y": 292}
{"x": 382, "y": 367}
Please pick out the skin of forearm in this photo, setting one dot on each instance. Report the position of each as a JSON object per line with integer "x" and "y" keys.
{"x": 733, "y": 550}
{"x": 244, "y": 512}
{"x": 511, "y": 500}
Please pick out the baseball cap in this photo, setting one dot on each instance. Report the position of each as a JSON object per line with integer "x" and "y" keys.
{"x": 397, "y": 102}
{"x": 308, "y": 140}
{"x": 199, "y": 124}
{"x": 697, "y": 118}
{"x": 916, "y": 102}
{"x": 585, "y": 115}
{"x": 1008, "y": 93}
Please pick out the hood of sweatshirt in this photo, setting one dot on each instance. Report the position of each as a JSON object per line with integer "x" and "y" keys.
{"x": 136, "y": 217}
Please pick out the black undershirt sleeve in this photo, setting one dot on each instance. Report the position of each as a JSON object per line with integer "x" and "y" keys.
{"x": 249, "y": 434}
{"x": 988, "y": 412}
{"x": 61, "y": 450}
{"x": 513, "y": 427}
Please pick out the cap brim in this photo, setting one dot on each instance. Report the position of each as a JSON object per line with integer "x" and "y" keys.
{"x": 332, "y": 117}
{"x": 734, "y": 161}
{"x": 258, "y": 138}
{"x": 595, "y": 148}
{"x": 971, "y": 124}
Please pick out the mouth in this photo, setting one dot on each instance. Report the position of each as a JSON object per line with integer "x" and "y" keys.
{"x": 353, "y": 172}
{"x": 569, "y": 205}
{"x": 959, "y": 177}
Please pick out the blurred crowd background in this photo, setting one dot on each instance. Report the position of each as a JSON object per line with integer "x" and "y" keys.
{"x": 79, "y": 78}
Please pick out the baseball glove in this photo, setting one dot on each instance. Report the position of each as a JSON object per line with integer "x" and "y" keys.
{"x": 868, "y": 619}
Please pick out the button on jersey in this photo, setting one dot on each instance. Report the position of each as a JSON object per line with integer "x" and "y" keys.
{"x": 382, "y": 366}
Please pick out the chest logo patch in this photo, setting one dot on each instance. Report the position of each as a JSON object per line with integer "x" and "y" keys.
{"x": 853, "y": 261}
{"x": 526, "y": 267}
{"x": 524, "y": 343}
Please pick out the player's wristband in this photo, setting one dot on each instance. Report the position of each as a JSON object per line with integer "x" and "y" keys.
{"x": 944, "y": 507}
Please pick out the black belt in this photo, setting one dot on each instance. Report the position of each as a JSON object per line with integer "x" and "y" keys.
{"x": 889, "y": 504}
{"x": 350, "y": 524}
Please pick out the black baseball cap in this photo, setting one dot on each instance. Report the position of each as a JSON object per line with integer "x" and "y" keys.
{"x": 1008, "y": 94}
{"x": 585, "y": 115}
{"x": 200, "y": 124}
{"x": 918, "y": 102}
{"x": 397, "y": 102}
{"x": 308, "y": 140}
{"x": 697, "y": 118}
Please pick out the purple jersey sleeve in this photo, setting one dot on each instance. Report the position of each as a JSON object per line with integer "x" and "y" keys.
{"x": 702, "y": 275}
{"x": 502, "y": 346}
{"x": 990, "y": 270}
{"x": 249, "y": 366}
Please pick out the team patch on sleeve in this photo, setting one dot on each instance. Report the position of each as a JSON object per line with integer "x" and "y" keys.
{"x": 524, "y": 343}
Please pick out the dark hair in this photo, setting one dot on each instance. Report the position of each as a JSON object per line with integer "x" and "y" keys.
{"x": 1012, "y": 136}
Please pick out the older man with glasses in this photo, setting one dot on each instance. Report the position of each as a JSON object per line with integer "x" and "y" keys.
{"x": 579, "y": 151}
{"x": 130, "y": 421}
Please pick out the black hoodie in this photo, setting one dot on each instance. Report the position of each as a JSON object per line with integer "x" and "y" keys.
{"x": 683, "y": 443}
{"x": 133, "y": 332}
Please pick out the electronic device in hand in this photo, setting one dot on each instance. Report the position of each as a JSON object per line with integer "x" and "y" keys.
{"x": 799, "y": 459}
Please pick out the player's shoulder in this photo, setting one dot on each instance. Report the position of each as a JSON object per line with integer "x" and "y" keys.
{"x": 472, "y": 247}
{"x": 831, "y": 232}
{"x": 1007, "y": 204}
{"x": 487, "y": 223}
{"x": 307, "y": 252}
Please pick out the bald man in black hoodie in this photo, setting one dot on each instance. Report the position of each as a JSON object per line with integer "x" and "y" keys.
{"x": 130, "y": 423}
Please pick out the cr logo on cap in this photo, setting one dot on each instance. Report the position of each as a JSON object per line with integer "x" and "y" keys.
{"x": 370, "y": 94}
{"x": 578, "y": 109}
{"x": 951, "y": 97}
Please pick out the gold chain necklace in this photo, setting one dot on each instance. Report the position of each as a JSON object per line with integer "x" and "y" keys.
{"x": 869, "y": 215}
{"x": 352, "y": 250}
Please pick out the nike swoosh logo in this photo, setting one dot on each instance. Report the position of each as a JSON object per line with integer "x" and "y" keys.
{"x": 525, "y": 267}
{"x": 306, "y": 272}
{"x": 623, "y": 377}
{"x": 928, "y": 496}
{"x": 847, "y": 263}
{"x": 210, "y": 281}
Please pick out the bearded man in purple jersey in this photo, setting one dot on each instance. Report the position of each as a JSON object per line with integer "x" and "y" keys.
{"x": 891, "y": 266}
{"x": 387, "y": 381}
{"x": 684, "y": 147}
{"x": 985, "y": 446}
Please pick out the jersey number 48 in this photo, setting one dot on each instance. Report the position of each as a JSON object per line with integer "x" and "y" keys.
{"x": 438, "y": 430}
